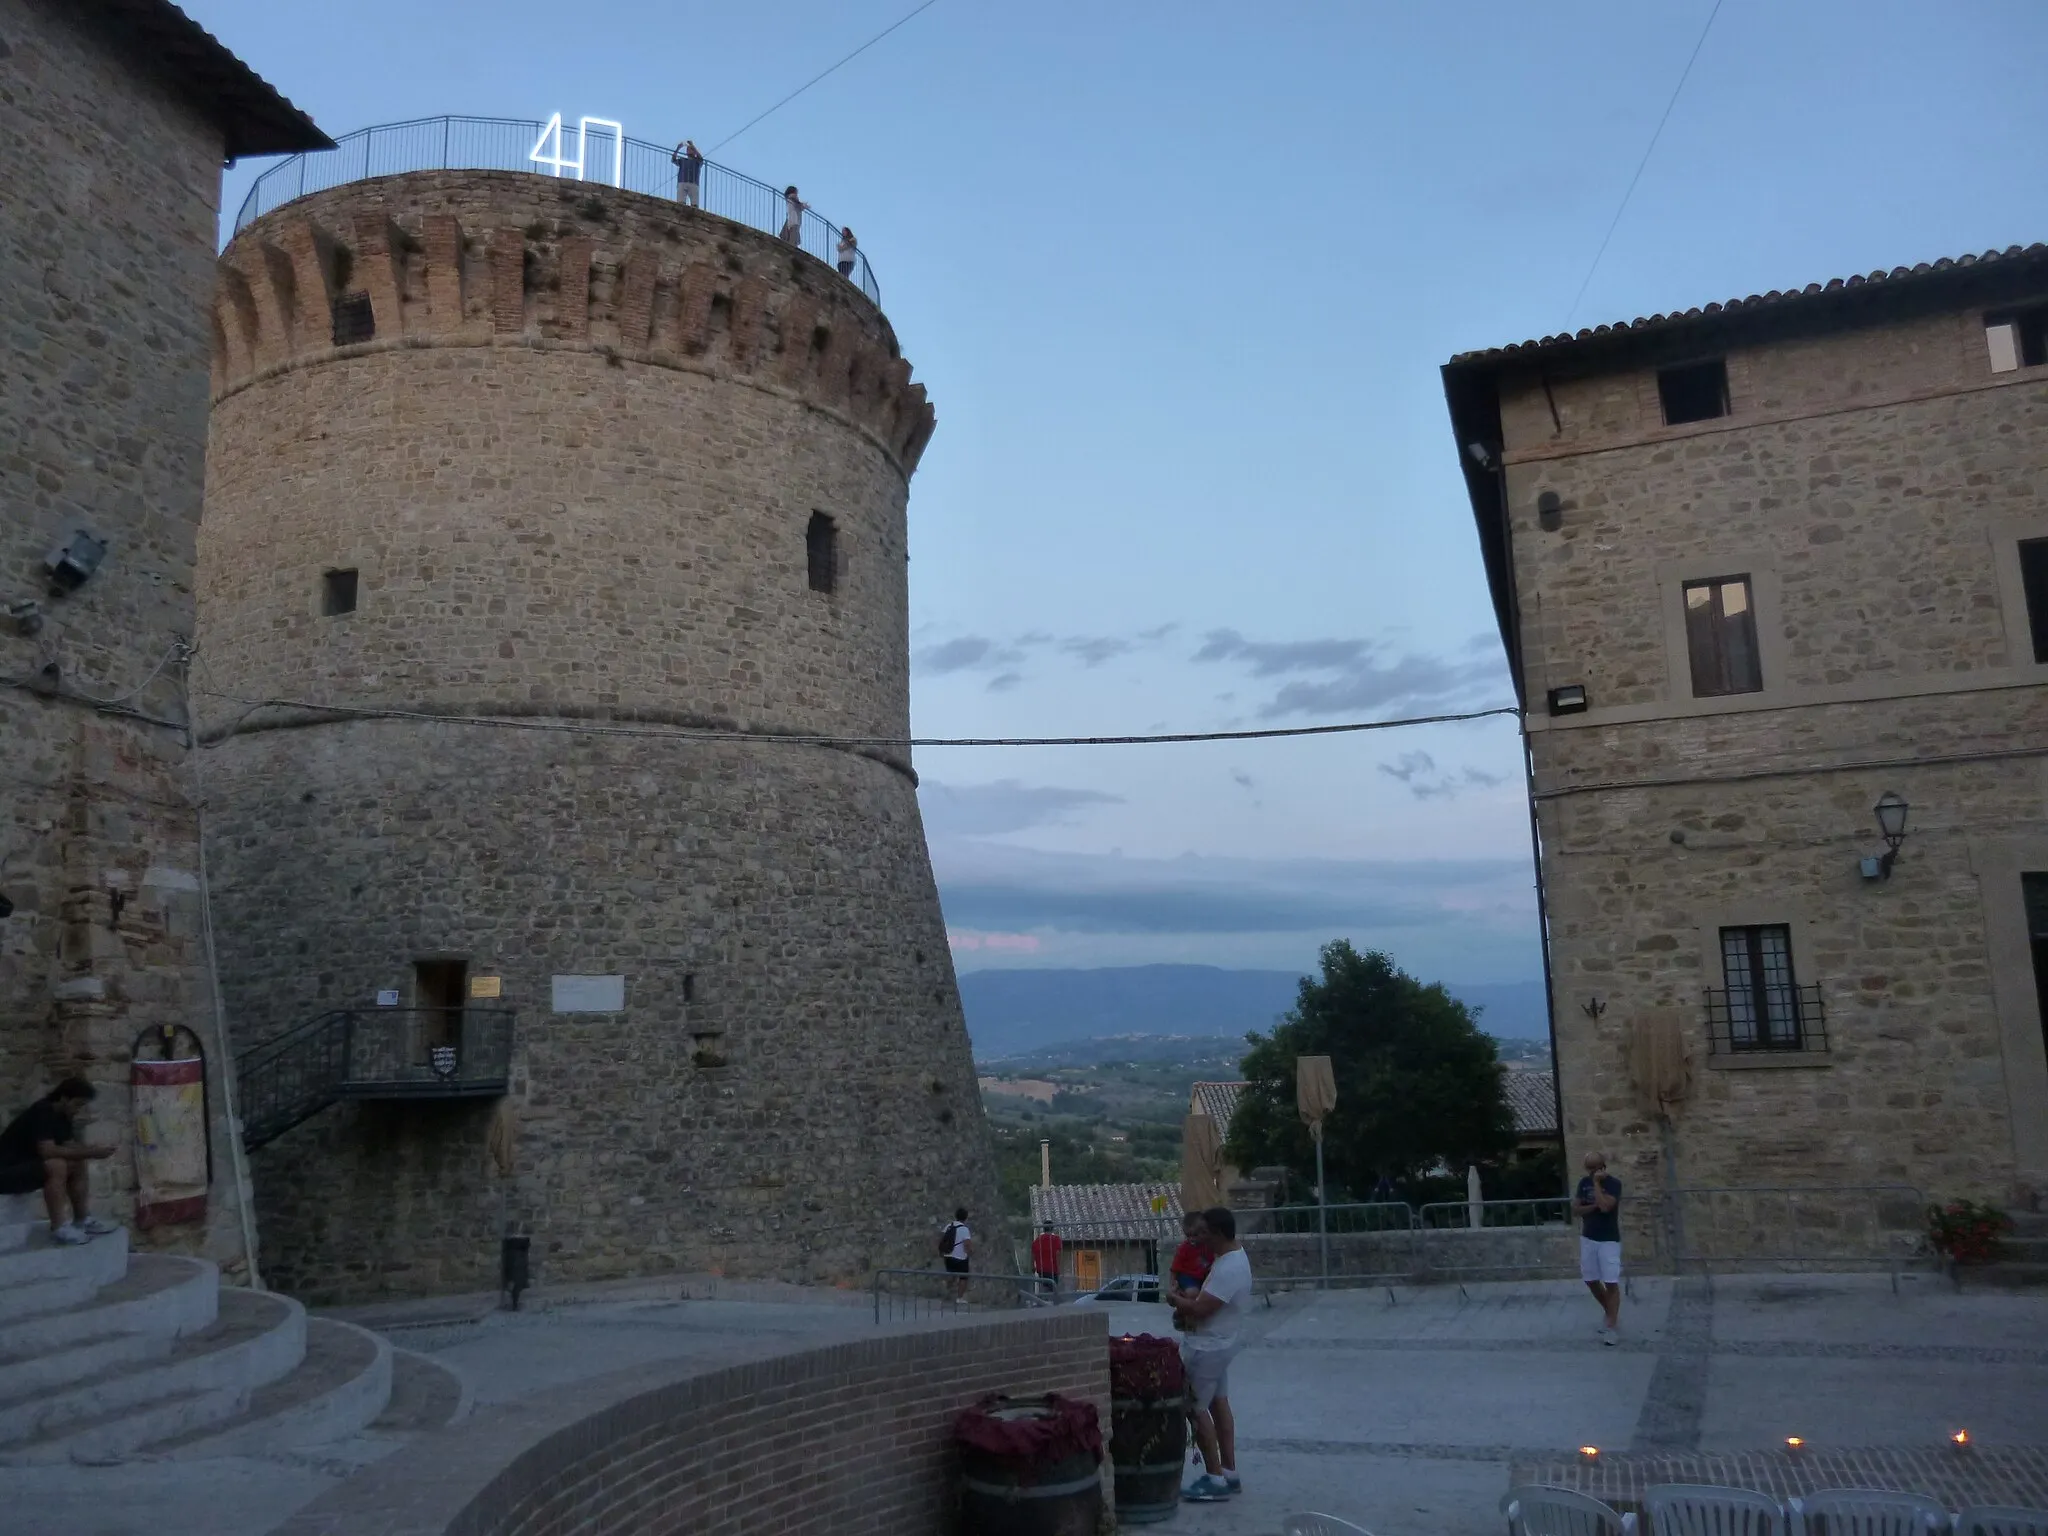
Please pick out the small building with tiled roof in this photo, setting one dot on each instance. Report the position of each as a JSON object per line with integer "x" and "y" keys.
{"x": 1532, "y": 1095}
{"x": 1771, "y": 578}
{"x": 1216, "y": 1100}
{"x": 1108, "y": 1229}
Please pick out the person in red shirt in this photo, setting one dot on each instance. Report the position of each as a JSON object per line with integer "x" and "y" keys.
{"x": 1191, "y": 1260}
{"x": 1045, "y": 1258}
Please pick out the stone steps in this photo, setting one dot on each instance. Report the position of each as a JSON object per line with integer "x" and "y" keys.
{"x": 104, "y": 1354}
{"x": 425, "y": 1394}
{"x": 255, "y": 1339}
{"x": 342, "y": 1384}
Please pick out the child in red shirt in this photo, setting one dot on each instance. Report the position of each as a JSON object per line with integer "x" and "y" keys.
{"x": 1191, "y": 1260}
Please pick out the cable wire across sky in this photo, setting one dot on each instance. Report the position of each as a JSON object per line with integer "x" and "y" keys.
{"x": 792, "y": 96}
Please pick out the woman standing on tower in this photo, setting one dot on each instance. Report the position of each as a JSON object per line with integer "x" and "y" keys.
{"x": 793, "y": 217}
{"x": 848, "y": 251}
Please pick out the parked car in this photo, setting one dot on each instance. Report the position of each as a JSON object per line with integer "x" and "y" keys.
{"x": 1122, "y": 1288}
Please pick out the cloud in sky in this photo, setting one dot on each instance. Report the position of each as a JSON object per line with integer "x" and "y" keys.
{"x": 1338, "y": 676}
{"x": 1425, "y": 781}
{"x": 999, "y": 888}
{"x": 990, "y": 810}
{"x": 964, "y": 653}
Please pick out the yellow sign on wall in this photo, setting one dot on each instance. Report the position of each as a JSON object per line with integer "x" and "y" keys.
{"x": 486, "y": 986}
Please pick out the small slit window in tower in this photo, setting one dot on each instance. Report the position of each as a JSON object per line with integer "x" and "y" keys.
{"x": 354, "y": 320}
{"x": 337, "y": 593}
{"x": 821, "y": 548}
{"x": 1693, "y": 391}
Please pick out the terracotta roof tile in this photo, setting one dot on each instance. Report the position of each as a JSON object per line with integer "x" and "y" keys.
{"x": 1755, "y": 302}
{"x": 1218, "y": 1101}
{"x": 1532, "y": 1095}
{"x": 1106, "y": 1210}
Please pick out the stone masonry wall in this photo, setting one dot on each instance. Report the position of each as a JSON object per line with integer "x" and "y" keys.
{"x": 567, "y": 516}
{"x": 106, "y": 262}
{"x": 1871, "y": 482}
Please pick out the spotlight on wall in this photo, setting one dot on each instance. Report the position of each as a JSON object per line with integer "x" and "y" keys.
{"x": 71, "y": 563}
{"x": 1568, "y": 700}
{"x": 1550, "y": 511}
{"x": 1485, "y": 457}
{"x": 1890, "y": 810}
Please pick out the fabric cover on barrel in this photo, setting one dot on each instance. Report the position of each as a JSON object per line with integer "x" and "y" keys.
{"x": 1028, "y": 1467}
{"x": 1148, "y": 1426}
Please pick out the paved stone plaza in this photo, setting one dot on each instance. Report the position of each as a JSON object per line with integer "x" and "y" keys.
{"x": 1402, "y": 1417}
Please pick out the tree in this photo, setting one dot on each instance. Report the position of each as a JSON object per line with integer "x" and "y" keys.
{"x": 1417, "y": 1082}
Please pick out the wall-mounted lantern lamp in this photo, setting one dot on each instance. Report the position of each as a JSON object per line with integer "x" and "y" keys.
{"x": 1549, "y": 511}
{"x": 72, "y": 563}
{"x": 1568, "y": 700}
{"x": 1891, "y": 811}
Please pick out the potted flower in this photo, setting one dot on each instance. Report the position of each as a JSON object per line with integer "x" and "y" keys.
{"x": 1967, "y": 1231}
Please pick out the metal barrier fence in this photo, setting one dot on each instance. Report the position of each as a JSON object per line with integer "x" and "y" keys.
{"x": 910, "y": 1295}
{"x": 508, "y": 144}
{"x": 1855, "y": 1226}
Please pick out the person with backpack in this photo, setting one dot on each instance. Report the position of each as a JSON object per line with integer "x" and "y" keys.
{"x": 956, "y": 1244}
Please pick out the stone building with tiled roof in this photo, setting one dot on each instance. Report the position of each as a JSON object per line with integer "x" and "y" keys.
{"x": 1532, "y": 1095}
{"x": 1108, "y": 1229}
{"x": 1772, "y": 581}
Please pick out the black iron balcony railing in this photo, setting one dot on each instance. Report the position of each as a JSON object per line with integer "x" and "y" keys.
{"x": 1771, "y": 1018}
{"x": 507, "y": 144}
{"x": 371, "y": 1053}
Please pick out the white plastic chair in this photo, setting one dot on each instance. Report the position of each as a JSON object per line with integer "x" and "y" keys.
{"x": 1312, "y": 1524}
{"x": 1537, "y": 1510}
{"x": 1996, "y": 1520}
{"x": 1699, "y": 1509}
{"x": 1866, "y": 1512}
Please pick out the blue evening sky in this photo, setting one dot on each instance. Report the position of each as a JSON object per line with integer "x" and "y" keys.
{"x": 1179, "y": 278}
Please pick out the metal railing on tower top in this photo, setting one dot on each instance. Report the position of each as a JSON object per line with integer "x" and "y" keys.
{"x": 510, "y": 144}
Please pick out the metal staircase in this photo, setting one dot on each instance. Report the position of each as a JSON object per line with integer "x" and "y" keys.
{"x": 371, "y": 1053}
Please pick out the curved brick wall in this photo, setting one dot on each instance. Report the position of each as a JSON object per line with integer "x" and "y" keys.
{"x": 842, "y": 1441}
{"x": 573, "y": 469}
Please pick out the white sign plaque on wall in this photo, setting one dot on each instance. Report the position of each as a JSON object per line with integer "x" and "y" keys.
{"x": 551, "y": 148}
{"x": 388, "y": 999}
{"x": 590, "y": 994}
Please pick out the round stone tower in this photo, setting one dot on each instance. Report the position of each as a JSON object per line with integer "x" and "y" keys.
{"x": 597, "y": 474}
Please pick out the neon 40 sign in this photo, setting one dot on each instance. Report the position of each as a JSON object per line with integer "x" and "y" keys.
{"x": 551, "y": 148}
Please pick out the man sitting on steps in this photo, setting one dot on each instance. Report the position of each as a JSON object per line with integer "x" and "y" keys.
{"x": 40, "y": 1149}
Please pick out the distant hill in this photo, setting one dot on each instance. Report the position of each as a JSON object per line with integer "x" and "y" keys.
{"x": 1011, "y": 1012}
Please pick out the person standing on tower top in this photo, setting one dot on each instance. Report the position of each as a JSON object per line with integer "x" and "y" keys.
{"x": 848, "y": 251}
{"x": 689, "y": 163}
{"x": 793, "y": 217}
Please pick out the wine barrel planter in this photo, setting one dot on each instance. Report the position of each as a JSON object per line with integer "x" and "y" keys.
{"x": 1148, "y": 1436}
{"x": 1148, "y": 1442}
{"x": 1030, "y": 1468}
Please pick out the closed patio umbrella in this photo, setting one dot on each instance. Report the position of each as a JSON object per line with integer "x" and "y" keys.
{"x": 1315, "y": 1095}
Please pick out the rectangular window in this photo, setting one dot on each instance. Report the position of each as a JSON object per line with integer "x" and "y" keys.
{"x": 2017, "y": 339}
{"x": 2034, "y": 578}
{"x": 354, "y": 319}
{"x": 821, "y": 551}
{"x": 1693, "y": 391}
{"x": 2035, "y": 888}
{"x": 337, "y": 593}
{"x": 1763, "y": 1011}
{"x": 1720, "y": 637}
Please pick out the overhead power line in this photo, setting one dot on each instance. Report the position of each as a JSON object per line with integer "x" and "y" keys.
{"x": 798, "y": 739}
{"x": 1615, "y": 223}
{"x": 792, "y": 96}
